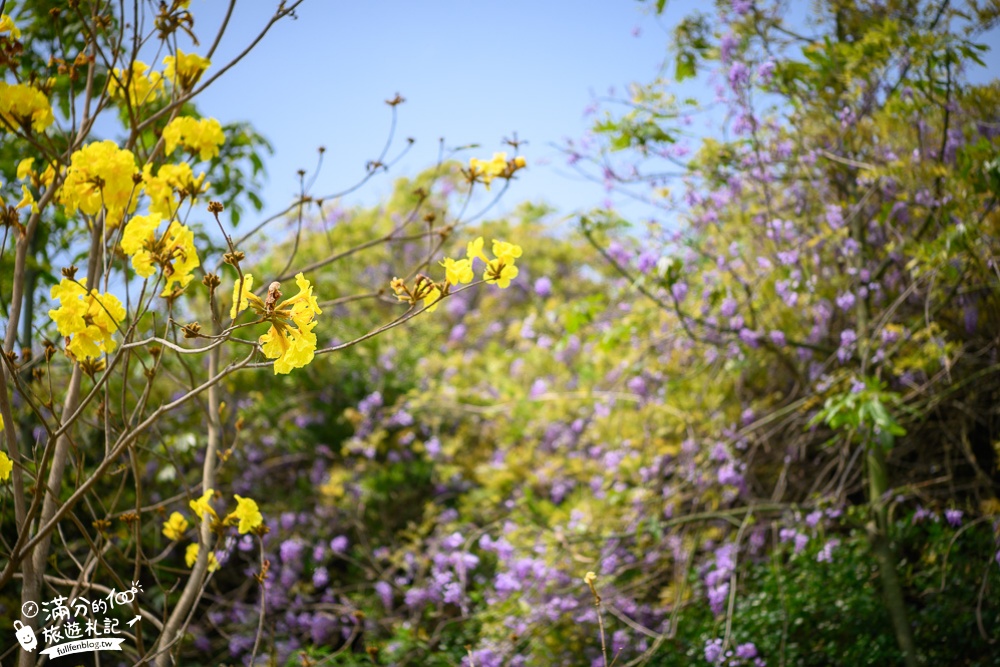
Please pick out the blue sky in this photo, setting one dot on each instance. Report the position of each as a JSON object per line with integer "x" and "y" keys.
{"x": 471, "y": 72}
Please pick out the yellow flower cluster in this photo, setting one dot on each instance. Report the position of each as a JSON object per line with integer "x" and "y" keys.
{"x": 175, "y": 527}
{"x": 201, "y": 506}
{"x": 201, "y": 136}
{"x": 24, "y": 107}
{"x": 25, "y": 171}
{"x": 135, "y": 85}
{"x": 174, "y": 251}
{"x": 290, "y": 341}
{"x": 484, "y": 171}
{"x": 89, "y": 319}
{"x": 185, "y": 69}
{"x": 171, "y": 180}
{"x": 101, "y": 175}
{"x": 246, "y": 517}
{"x": 501, "y": 269}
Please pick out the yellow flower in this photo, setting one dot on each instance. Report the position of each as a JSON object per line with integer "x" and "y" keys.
{"x": 7, "y": 25}
{"x": 475, "y": 249}
{"x": 185, "y": 69}
{"x": 430, "y": 299}
{"x": 485, "y": 171}
{"x": 171, "y": 180}
{"x": 48, "y": 174}
{"x": 201, "y": 506}
{"x": 174, "y": 251}
{"x": 500, "y": 272}
{"x": 290, "y": 341}
{"x": 175, "y": 526}
{"x": 133, "y": 82}
{"x": 24, "y": 168}
{"x": 247, "y": 513}
{"x": 458, "y": 271}
{"x": 138, "y": 239}
{"x": 242, "y": 298}
{"x": 100, "y": 176}
{"x": 6, "y": 465}
{"x": 292, "y": 347}
{"x": 191, "y": 556}
{"x": 590, "y": 578}
{"x": 25, "y": 107}
{"x": 27, "y": 199}
{"x": 506, "y": 251}
{"x": 202, "y": 136}
{"x": 90, "y": 319}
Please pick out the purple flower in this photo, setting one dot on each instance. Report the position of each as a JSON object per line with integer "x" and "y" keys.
{"x": 788, "y": 257}
{"x": 384, "y": 590}
{"x": 452, "y": 542}
{"x": 457, "y": 333}
{"x": 321, "y": 577}
{"x": 749, "y": 337}
{"x": 746, "y": 651}
{"x": 729, "y": 476}
{"x": 825, "y": 554}
{"x": 506, "y": 583}
{"x": 740, "y": 8}
{"x": 834, "y": 216}
{"x": 415, "y": 596}
{"x": 727, "y": 45}
{"x": 845, "y": 301}
{"x": 647, "y": 261}
{"x": 291, "y": 551}
{"x": 847, "y": 340}
{"x": 738, "y": 75}
{"x": 713, "y": 651}
{"x": 637, "y": 385}
{"x": 766, "y": 72}
{"x": 538, "y": 387}
{"x": 339, "y": 544}
{"x": 322, "y": 628}
{"x": 954, "y": 517}
{"x": 889, "y": 335}
{"x": 619, "y": 641}
{"x": 543, "y": 286}
{"x": 432, "y": 446}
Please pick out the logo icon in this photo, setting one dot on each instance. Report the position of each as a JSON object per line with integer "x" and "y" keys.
{"x": 25, "y": 636}
{"x": 29, "y": 609}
